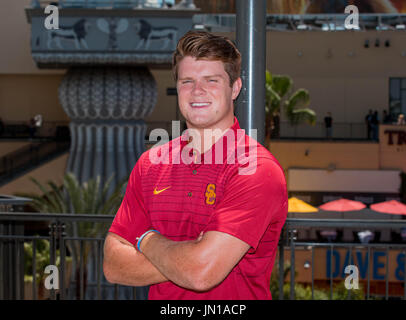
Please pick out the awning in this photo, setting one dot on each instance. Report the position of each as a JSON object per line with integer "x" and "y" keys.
{"x": 342, "y": 205}
{"x": 297, "y": 205}
{"x": 390, "y": 207}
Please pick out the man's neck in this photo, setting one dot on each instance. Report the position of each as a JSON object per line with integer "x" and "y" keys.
{"x": 204, "y": 138}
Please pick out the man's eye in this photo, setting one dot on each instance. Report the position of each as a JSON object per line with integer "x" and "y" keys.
{"x": 213, "y": 80}
{"x": 186, "y": 81}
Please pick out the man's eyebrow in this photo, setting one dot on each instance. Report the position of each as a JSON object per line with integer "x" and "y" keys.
{"x": 208, "y": 76}
{"x": 214, "y": 76}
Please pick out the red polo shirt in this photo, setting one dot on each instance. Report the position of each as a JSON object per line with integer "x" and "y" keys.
{"x": 245, "y": 198}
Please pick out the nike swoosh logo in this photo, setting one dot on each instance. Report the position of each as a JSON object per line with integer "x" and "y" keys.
{"x": 159, "y": 191}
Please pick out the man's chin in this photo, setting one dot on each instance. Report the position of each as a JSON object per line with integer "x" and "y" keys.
{"x": 198, "y": 123}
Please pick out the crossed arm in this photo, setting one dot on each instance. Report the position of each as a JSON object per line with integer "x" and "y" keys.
{"x": 197, "y": 265}
{"x": 203, "y": 263}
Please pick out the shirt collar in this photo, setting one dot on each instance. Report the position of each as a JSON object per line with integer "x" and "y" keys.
{"x": 223, "y": 140}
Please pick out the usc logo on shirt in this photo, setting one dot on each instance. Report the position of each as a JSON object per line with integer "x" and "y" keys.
{"x": 210, "y": 194}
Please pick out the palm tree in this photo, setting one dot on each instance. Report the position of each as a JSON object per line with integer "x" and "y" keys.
{"x": 278, "y": 97}
{"x": 88, "y": 198}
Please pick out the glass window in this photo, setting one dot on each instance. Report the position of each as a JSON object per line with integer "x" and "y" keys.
{"x": 403, "y": 102}
{"x": 397, "y": 96}
{"x": 394, "y": 89}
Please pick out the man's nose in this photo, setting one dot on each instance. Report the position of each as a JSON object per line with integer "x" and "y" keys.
{"x": 198, "y": 88}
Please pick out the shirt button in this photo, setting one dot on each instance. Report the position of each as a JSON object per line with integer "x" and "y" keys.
{"x": 189, "y": 194}
{"x": 194, "y": 171}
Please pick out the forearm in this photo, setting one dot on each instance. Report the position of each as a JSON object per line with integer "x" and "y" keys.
{"x": 179, "y": 261}
{"x": 123, "y": 264}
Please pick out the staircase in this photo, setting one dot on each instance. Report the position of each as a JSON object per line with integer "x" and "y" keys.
{"x": 27, "y": 158}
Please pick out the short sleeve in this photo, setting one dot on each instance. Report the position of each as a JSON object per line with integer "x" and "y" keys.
{"x": 251, "y": 202}
{"x": 131, "y": 220}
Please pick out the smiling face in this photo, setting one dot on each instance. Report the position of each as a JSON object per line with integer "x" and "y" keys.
{"x": 204, "y": 94}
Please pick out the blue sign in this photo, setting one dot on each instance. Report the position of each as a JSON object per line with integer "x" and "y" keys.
{"x": 335, "y": 265}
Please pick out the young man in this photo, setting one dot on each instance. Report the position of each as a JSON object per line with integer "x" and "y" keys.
{"x": 368, "y": 122}
{"x": 201, "y": 226}
{"x": 328, "y": 122}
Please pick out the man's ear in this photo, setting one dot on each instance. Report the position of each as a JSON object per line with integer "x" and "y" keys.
{"x": 236, "y": 88}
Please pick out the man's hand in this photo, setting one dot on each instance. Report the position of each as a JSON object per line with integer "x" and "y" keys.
{"x": 197, "y": 265}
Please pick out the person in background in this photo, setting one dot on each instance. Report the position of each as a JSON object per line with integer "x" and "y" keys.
{"x": 375, "y": 126}
{"x": 38, "y": 120}
{"x": 368, "y": 122}
{"x": 328, "y": 122}
{"x": 38, "y": 123}
{"x": 1, "y": 127}
{"x": 386, "y": 118}
{"x": 32, "y": 128}
{"x": 401, "y": 120}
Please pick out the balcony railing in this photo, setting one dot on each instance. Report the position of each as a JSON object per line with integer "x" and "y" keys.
{"x": 340, "y": 130}
{"x": 381, "y": 265}
{"x": 127, "y": 4}
{"x": 29, "y": 241}
{"x": 78, "y": 257}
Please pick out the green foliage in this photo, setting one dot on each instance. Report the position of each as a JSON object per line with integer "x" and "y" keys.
{"x": 278, "y": 97}
{"x": 87, "y": 198}
{"x": 42, "y": 257}
{"x": 340, "y": 292}
{"x": 303, "y": 292}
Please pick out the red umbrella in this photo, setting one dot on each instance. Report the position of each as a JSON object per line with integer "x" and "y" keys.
{"x": 342, "y": 205}
{"x": 392, "y": 206}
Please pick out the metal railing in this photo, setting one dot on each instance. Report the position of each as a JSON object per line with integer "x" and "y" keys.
{"x": 363, "y": 252}
{"x": 226, "y": 22}
{"x": 127, "y": 4}
{"x": 79, "y": 257}
{"x": 340, "y": 130}
{"x": 48, "y": 130}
